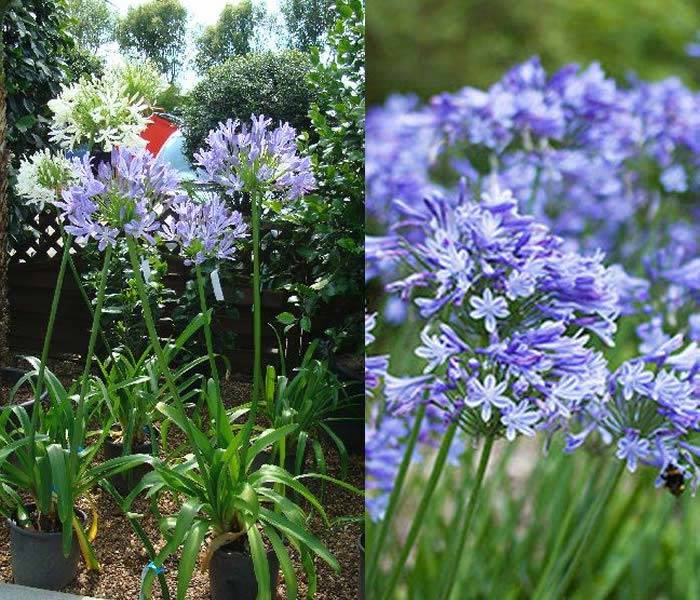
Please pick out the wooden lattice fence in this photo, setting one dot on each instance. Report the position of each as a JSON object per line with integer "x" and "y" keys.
{"x": 32, "y": 278}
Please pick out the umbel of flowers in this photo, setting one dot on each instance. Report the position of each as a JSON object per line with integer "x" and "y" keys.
{"x": 509, "y": 314}
{"x": 604, "y": 165}
{"x": 102, "y": 113}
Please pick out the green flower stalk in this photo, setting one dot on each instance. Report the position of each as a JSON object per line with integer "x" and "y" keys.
{"x": 257, "y": 161}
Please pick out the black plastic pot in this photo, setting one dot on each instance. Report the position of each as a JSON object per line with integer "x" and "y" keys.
{"x": 37, "y": 557}
{"x": 361, "y": 548}
{"x": 127, "y": 481}
{"x": 232, "y": 576}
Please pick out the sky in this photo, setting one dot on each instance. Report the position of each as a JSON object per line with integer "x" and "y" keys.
{"x": 201, "y": 13}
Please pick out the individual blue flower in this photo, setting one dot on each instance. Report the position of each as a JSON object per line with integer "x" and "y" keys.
{"x": 634, "y": 378}
{"x": 487, "y": 396}
{"x": 489, "y": 308}
{"x": 632, "y": 449}
{"x": 674, "y": 179}
{"x": 520, "y": 418}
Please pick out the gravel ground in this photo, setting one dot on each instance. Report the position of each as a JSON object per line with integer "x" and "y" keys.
{"x": 122, "y": 555}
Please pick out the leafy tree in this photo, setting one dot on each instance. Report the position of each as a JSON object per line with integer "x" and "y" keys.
{"x": 231, "y": 35}
{"x": 329, "y": 224}
{"x": 156, "y": 30}
{"x": 472, "y": 42}
{"x": 269, "y": 83}
{"x": 307, "y": 21}
{"x": 93, "y": 22}
{"x": 37, "y": 46}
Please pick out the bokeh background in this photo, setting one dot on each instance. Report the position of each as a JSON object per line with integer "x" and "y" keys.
{"x": 430, "y": 46}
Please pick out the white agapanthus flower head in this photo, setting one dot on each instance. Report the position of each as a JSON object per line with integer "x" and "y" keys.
{"x": 97, "y": 113}
{"x": 42, "y": 175}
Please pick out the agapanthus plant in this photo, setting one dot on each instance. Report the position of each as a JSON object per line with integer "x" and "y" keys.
{"x": 509, "y": 316}
{"x": 605, "y": 165}
{"x": 651, "y": 413}
{"x": 258, "y": 161}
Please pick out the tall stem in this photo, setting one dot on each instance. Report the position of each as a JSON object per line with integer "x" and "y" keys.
{"x": 207, "y": 326}
{"x": 468, "y": 518}
{"x": 419, "y": 517}
{"x": 67, "y": 242}
{"x": 88, "y": 304}
{"x": 97, "y": 315}
{"x": 150, "y": 323}
{"x": 257, "y": 325}
{"x": 378, "y": 543}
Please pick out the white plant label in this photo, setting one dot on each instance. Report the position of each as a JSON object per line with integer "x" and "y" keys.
{"x": 216, "y": 284}
{"x": 146, "y": 270}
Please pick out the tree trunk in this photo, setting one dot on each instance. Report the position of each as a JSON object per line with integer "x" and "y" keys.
{"x": 4, "y": 200}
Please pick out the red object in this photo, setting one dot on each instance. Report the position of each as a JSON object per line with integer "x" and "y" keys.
{"x": 157, "y": 133}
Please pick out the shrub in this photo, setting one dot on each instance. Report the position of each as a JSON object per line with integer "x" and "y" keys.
{"x": 272, "y": 84}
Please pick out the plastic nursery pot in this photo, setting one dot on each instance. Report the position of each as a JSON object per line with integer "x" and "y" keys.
{"x": 361, "y": 548}
{"x": 37, "y": 557}
{"x": 232, "y": 576}
{"x": 126, "y": 482}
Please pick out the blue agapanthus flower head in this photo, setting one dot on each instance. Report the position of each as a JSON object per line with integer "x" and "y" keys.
{"x": 204, "y": 228}
{"x": 651, "y": 412}
{"x": 250, "y": 157}
{"x": 121, "y": 199}
{"x": 509, "y": 315}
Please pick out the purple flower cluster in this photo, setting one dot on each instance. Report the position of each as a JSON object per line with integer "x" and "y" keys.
{"x": 204, "y": 229}
{"x": 122, "y": 198}
{"x": 509, "y": 316}
{"x": 651, "y": 412}
{"x": 255, "y": 157}
{"x": 604, "y": 165}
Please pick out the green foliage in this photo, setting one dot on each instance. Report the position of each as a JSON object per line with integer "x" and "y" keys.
{"x": 121, "y": 319}
{"x": 227, "y": 496}
{"x": 140, "y": 79}
{"x": 426, "y": 47}
{"x": 156, "y": 30}
{"x": 329, "y": 224}
{"x": 54, "y": 461}
{"x": 307, "y": 21}
{"x": 171, "y": 99}
{"x": 37, "y": 44}
{"x": 308, "y": 399}
{"x": 92, "y": 22}
{"x": 267, "y": 83}
{"x": 84, "y": 63}
{"x": 231, "y": 35}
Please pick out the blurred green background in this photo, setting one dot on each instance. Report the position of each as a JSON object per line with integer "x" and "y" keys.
{"x": 430, "y": 46}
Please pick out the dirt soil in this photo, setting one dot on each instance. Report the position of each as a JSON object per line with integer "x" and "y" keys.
{"x": 123, "y": 558}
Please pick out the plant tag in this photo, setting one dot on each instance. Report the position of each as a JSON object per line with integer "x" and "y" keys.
{"x": 146, "y": 270}
{"x": 216, "y": 284}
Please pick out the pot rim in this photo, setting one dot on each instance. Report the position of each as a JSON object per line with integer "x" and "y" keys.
{"x": 43, "y": 534}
